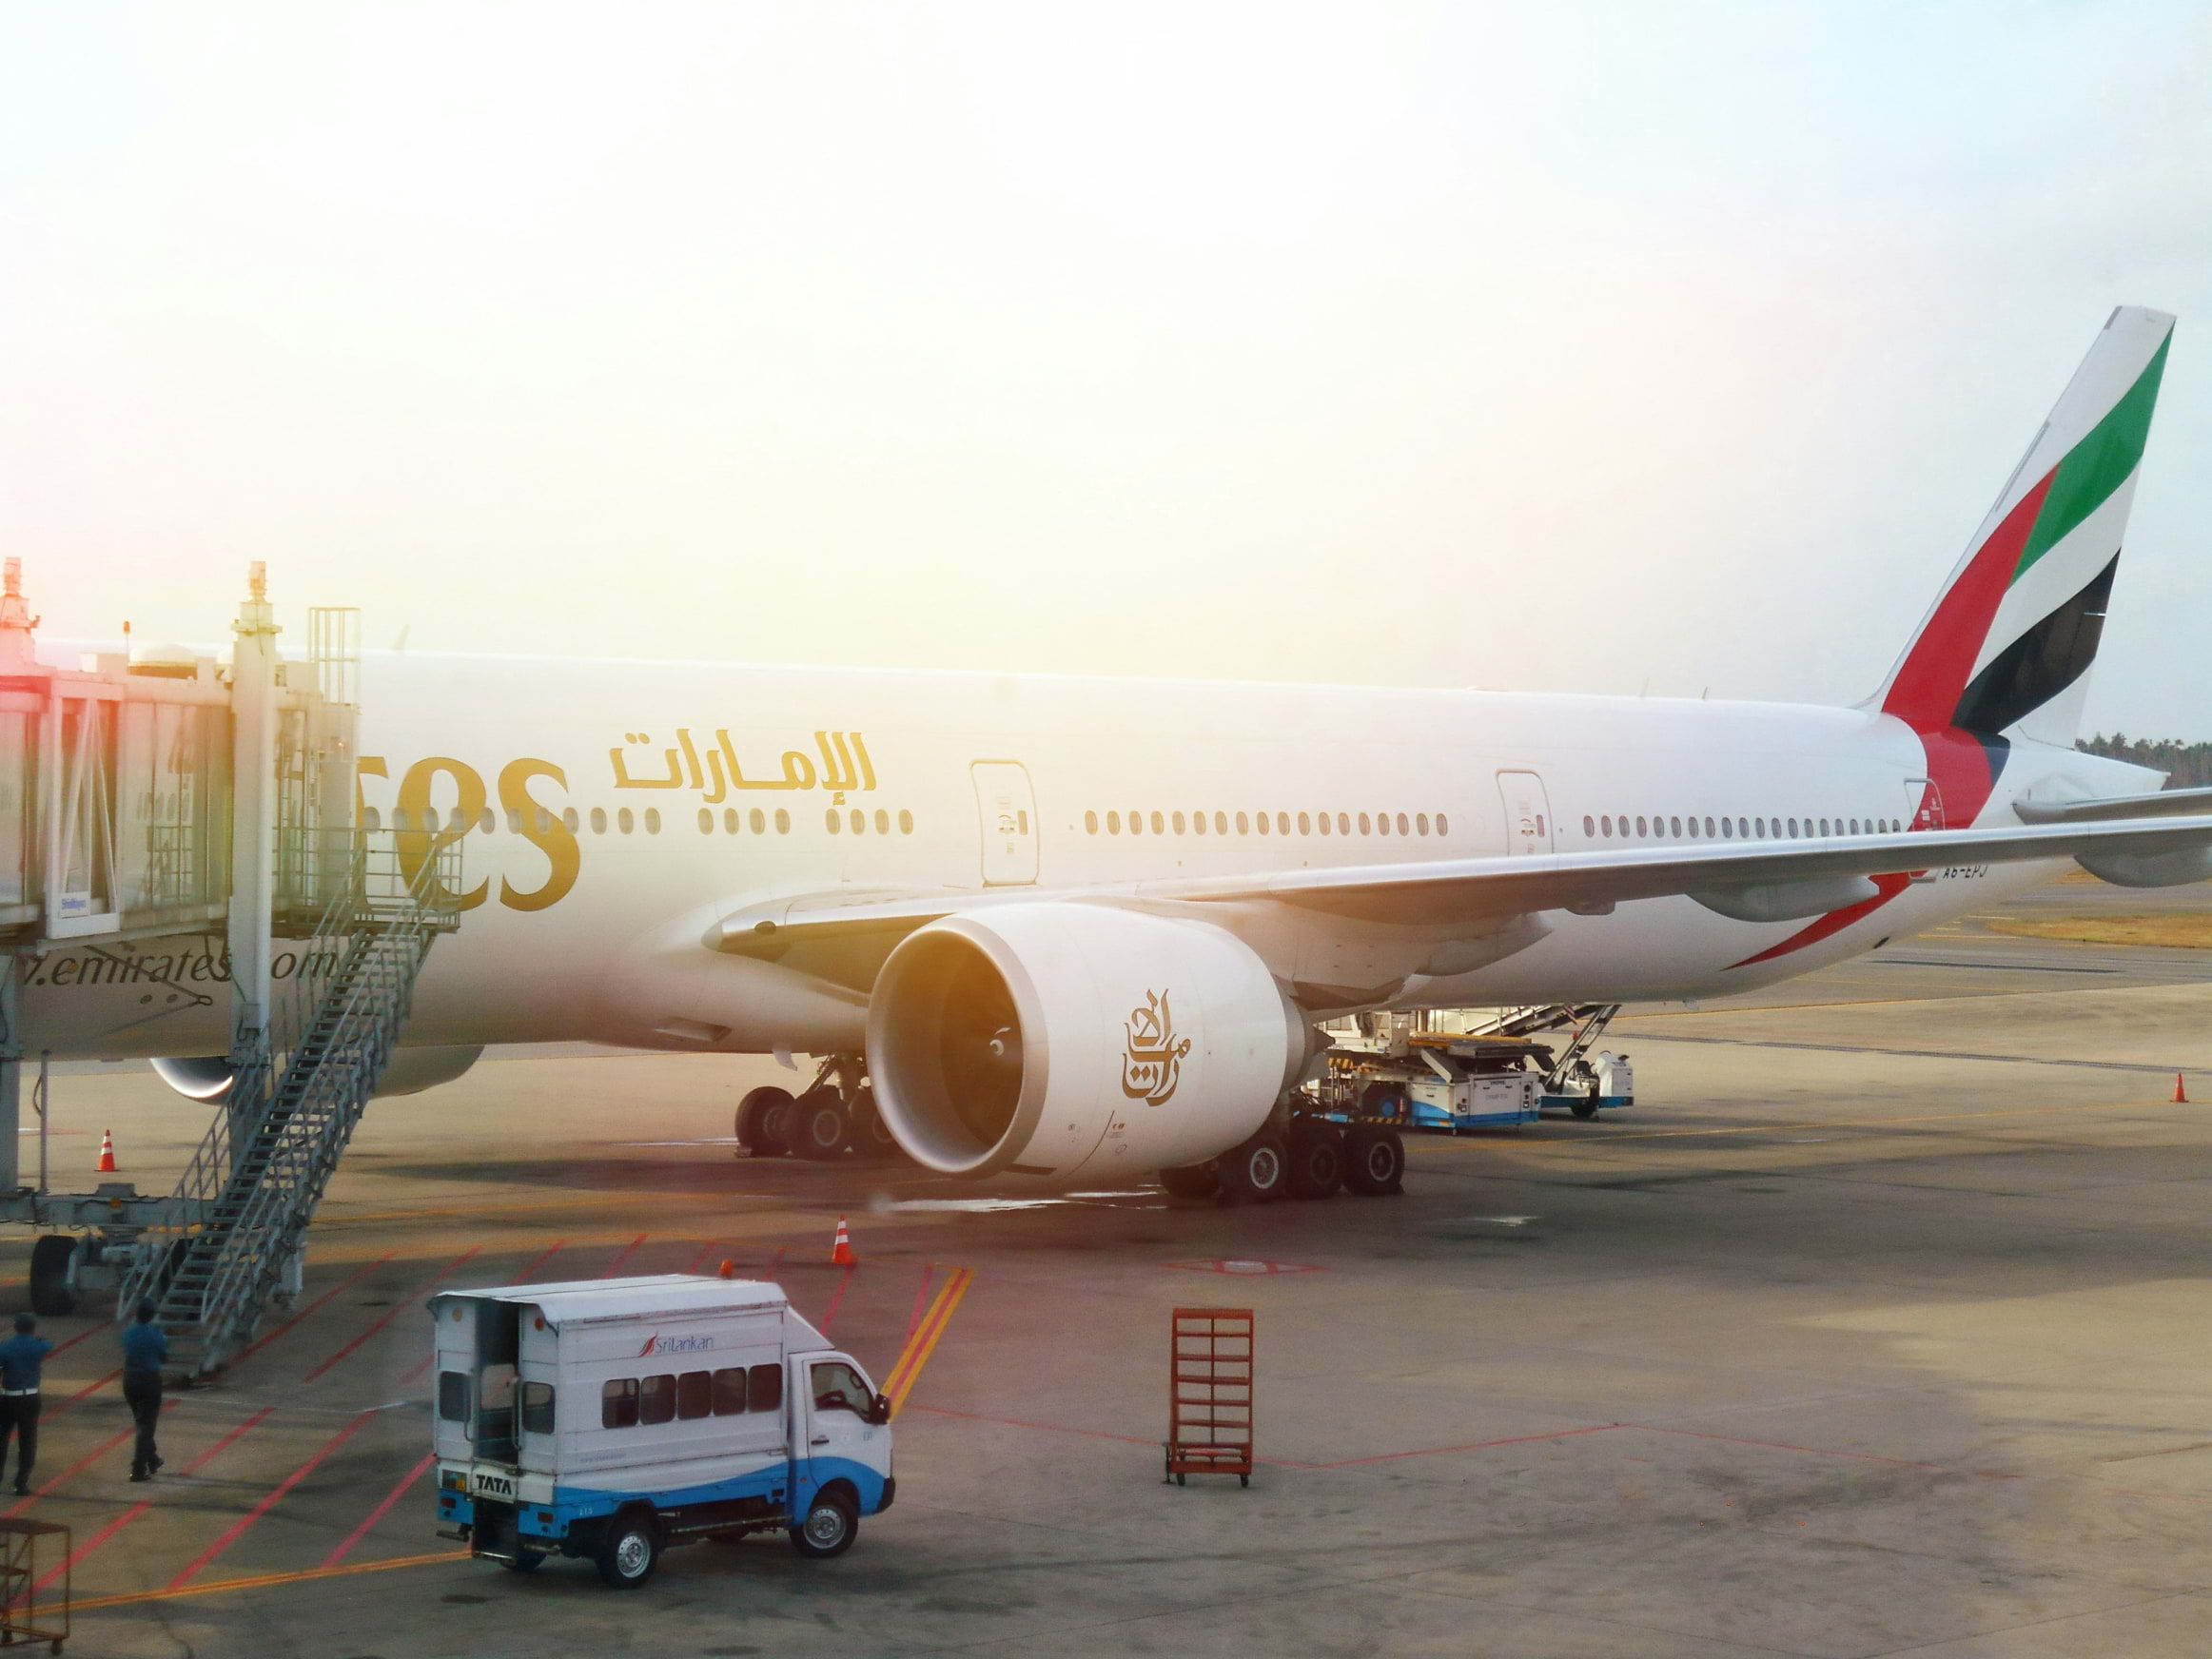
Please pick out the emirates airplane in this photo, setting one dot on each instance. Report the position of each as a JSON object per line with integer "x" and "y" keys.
{"x": 1066, "y": 931}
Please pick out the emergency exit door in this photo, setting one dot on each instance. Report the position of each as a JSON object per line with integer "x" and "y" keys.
{"x": 1528, "y": 812}
{"x": 1008, "y": 814}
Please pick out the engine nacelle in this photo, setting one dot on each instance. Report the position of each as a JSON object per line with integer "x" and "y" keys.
{"x": 409, "y": 1072}
{"x": 2149, "y": 869}
{"x": 1067, "y": 1041}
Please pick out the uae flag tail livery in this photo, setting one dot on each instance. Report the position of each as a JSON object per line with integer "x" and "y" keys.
{"x": 2005, "y": 656}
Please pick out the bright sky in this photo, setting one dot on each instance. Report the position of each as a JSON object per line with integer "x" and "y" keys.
{"x": 1572, "y": 346}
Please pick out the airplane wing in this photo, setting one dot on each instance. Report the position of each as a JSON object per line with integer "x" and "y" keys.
{"x": 843, "y": 937}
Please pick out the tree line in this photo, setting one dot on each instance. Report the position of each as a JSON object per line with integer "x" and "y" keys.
{"x": 2187, "y": 765}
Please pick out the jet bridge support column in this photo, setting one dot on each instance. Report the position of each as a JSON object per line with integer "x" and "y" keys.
{"x": 10, "y": 1073}
{"x": 253, "y": 841}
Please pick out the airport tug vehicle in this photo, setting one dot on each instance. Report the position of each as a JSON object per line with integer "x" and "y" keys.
{"x": 1453, "y": 1069}
{"x": 609, "y": 1419}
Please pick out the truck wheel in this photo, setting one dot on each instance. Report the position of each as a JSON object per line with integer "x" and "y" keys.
{"x": 829, "y": 1530}
{"x": 1254, "y": 1171}
{"x": 1585, "y": 1108}
{"x": 1382, "y": 1099}
{"x": 761, "y": 1116}
{"x": 1194, "y": 1181}
{"x": 630, "y": 1551}
{"x": 51, "y": 1294}
{"x": 1374, "y": 1162}
{"x": 821, "y": 1126}
{"x": 1317, "y": 1162}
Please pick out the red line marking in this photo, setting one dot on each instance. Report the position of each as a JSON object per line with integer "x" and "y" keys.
{"x": 390, "y": 1314}
{"x": 378, "y": 1513}
{"x": 231, "y": 1533}
{"x": 1470, "y": 1445}
{"x": 698, "y": 1256}
{"x": 836, "y": 1300}
{"x": 920, "y": 1301}
{"x": 537, "y": 1262}
{"x": 77, "y": 1467}
{"x": 140, "y": 1508}
{"x": 1048, "y": 1428}
{"x": 65, "y": 1347}
{"x": 628, "y": 1251}
{"x": 89, "y": 1388}
{"x": 352, "y": 1278}
{"x": 1832, "y": 1452}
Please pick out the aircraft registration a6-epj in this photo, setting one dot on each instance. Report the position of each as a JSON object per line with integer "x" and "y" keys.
{"x": 1061, "y": 950}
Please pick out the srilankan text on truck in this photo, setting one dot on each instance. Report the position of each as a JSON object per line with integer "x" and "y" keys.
{"x": 608, "y": 1419}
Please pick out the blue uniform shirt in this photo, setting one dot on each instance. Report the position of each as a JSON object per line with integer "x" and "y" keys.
{"x": 19, "y": 1363}
{"x": 143, "y": 1347}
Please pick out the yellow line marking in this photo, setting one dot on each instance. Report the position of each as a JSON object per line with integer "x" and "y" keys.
{"x": 260, "y": 1580}
{"x": 926, "y": 1334}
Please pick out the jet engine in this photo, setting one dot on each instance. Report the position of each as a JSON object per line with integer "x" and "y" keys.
{"x": 410, "y": 1073}
{"x": 1070, "y": 1041}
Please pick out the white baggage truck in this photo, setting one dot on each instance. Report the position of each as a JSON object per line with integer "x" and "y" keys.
{"x": 611, "y": 1418}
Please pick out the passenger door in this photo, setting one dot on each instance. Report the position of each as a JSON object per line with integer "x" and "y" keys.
{"x": 1007, "y": 812}
{"x": 831, "y": 1402}
{"x": 1528, "y": 814}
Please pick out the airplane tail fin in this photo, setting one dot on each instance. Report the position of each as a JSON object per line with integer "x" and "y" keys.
{"x": 2007, "y": 648}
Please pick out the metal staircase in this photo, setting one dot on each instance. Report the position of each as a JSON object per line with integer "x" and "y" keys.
{"x": 277, "y": 1139}
{"x": 1587, "y": 1021}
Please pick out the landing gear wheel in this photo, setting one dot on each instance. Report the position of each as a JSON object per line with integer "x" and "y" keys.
{"x": 1254, "y": 1172}
{"x": 829, "y": 1530}
{"x": 51, "y": 1294}
{"x": 1317, "y": 1162}
{"x": 821, "y": 1126}
{"x": 1374, "y": 1162}
{"x": 872, "y": 1136}
{"x": 630, "y": 1551}
{"x": 1585, "y": 1108}
{"x": 761, "y": 1117}
{"x": 526, "y": 1561}
{"x": 1196, "y": 1181}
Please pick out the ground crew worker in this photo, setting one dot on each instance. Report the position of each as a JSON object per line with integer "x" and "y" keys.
{"x": 145, "y": 1352}
{"x": 20, "y": 1358}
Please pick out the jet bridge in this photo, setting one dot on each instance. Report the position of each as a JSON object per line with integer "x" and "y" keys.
{"x": 165, "y": 794}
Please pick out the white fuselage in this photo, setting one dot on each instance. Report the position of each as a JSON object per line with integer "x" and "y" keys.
{"x": 699, "y": 790}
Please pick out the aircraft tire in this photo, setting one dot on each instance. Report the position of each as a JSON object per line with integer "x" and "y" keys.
{"x": 51, "y": 1295}
{"x": 872, "y": 1136}
{"x": 1317, "y": 1162}
{"x": 820, "y": 1126}
{"x": 1196, "y": 1181}
{"x": 1256, "y": 1171}
{"x": 761, "y": 1116}
{"x": 1374, "y": 1162}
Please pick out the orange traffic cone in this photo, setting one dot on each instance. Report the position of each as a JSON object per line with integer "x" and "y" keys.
{"x": 2181, "y": 1097}
{"x": 841, "y": 1253}
{"x": 728, "y": 1269}
{"x": 106, "y": 1163}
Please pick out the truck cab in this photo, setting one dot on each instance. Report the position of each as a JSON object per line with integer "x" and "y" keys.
{"x": 610, "y": 1420}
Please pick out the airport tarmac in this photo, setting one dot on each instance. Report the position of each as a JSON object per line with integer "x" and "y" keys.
{"x": 1878, "y": 1327}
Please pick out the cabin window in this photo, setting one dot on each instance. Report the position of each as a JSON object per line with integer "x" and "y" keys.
{"x": 1159, "y": 824}
{"x": 1221, "y": 822}
{"x": 1090, "y": 823}
{"x": 1588, "y": 828}
{"x": 655, "y": 1398}
{"x": 837, "y": 1388}
{"x": 764, "y": 1386}
{"x": 1113, "y": 823}
{"x": 371, "y": 818}
{"x": 1793, "y": 826}
{"x": 598, "y": 820}
{"x": 1382, "y": 823}
{"x": 730, "y": 1391}
{"x": 1305, "y": 825}
{"x": 619, "y": 1403}
{"x": 1443, "y": 825}
{"x": 833, "y": 821}
{"x": 906, "y": 822}
{"x": 1136, "y": 823}
{"x": 569, "y": 820}
{"x": 1178, "y": 824}
{"x": 1604, "y": 826}
{"x": 1244, "y": 825}
{"x": 694, "y": 1394}
{"x": 538, "y": 1408}
{"x": 731, "y": 821}
{"x": 1824, "y": 827}
{"x": 783, "y": 821}
{"x": 453, "y": 1396}
{"x": 1639, "y": 827}
{"x": 1727, "y": 828}
{"x": 1262, "y": 819}
{"x": 1365, "y": 827}
{"x": 627, "y": 820}
{"x": 1421, "y": 821}
{"x": 487, "y": 820}
{"x": 1283, "y": 822}
{"x": 1198, "y": 823}
{"x": 653, "y": 820}
{"x": 1344, "y": 824}
{"x": 1709, "y": 829}
{"x": 706, "y": 820}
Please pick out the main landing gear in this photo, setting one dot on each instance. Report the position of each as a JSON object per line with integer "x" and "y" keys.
{"x": 834, "y": 1118}
{"x": 1307, "y": 1158}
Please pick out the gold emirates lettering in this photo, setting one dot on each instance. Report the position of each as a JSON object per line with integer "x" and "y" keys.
{"x": 1153, "y": 1061}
